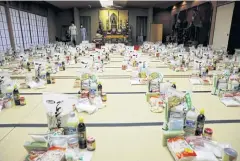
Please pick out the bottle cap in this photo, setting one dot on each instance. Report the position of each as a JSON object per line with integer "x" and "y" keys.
{"x": 202, "y": 111}
{"x": 193, "y": 109}
{"x": 99, "y": 83}
{"x": 15, "y": 86}
{"x": 174, "y": 83}
{"x": 81, "y": 120}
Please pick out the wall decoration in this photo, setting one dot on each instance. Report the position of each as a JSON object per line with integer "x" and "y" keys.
{"x": 103, "y": 17}
{"x": 123, "y": 16}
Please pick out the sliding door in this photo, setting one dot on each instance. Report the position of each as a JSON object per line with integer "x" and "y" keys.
{"x": 223, "y": 25}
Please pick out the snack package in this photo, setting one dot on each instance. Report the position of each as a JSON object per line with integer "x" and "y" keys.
{"x": 53, "y": 154}
{"x": 180, "y": 149}
{"x": 34, "y": 155}
{"x": 174, "y": 97}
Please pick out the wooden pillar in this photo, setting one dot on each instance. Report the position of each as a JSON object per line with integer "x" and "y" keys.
{"x": 149, "y": 23}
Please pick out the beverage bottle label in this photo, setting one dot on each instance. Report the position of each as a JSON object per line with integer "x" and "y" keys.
{"x": 82, "y": 135}
{"x": 70, "y": 131}
{"x": 190, "y": 124}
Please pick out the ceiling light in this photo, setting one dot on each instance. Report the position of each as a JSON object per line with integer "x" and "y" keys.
{"x": 106, "y": 3}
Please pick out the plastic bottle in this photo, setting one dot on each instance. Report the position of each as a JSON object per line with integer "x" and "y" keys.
{"x": 16, "y": 96}
{"x": 190, "y": 122}
{"x": 93, "y": 86}
{"x": 82, "y": 134}
{"x": 72, "y": 124}
{"x": 200, "y": 123}
{"x": 235, "y": 85}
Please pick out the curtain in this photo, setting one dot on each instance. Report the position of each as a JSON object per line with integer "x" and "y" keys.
{"x": 141, "y": 29}
{"x": 86, "y": 22}
{"x": 141, "y": 26}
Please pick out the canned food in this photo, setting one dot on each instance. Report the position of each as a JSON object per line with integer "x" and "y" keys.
{"x": 91, "y": 144}
{"x": 104, "y": 97}
{"x": 229, "y": 154}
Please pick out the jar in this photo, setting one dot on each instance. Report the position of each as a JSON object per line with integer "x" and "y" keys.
{"x": 208, "y": 133}
{"x": 124, "y": 67}
{"x": 53, "y": 81}
{"x": 84, "y": 94}
{"x": 104, "y": 97}
{"x": 91, "y": 144}
{"x": 73, "y": 143}
{"x": 22, "y": 101}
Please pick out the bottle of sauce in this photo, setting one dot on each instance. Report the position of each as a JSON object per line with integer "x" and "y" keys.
{"x": 174, "y": 85}
{"x": 82, "y": 134}
{"x": 63, "y": 65}
{"x": 99, "y": 88}
{"x": 16, "y": 96}
{"x": 28, "y": 67}
{"x": 48, "y": 78}
{"x": 75, "y": 58}
{"x": 200, "y": 123}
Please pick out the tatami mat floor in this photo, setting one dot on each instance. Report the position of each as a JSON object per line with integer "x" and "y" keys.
{"x": 118, "y": 142}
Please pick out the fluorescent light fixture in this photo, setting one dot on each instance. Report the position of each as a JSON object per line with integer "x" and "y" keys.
{"x": 106, "y": 3}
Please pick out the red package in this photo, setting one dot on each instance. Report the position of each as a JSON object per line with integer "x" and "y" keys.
{"x": 228, "y": 95}
{"x": 237, "y": 94}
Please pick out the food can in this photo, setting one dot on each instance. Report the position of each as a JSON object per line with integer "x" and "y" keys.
{"x": 229, "y": 154}
{"x": 73, "y": 143}
{"x": 208, "y": 133}
{"x": 91, "y": 144}
{"x": 104, "y": 97}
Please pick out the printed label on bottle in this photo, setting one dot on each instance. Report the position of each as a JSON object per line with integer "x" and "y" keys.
{"x": 200, "y": 125}
{"x": 70, "y": 131}
{"x": 190, "y": 124}
{"x": 82, "y": 135}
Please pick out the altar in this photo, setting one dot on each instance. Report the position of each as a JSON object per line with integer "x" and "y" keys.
{"x": 115, "y": 38}
{"x": 113, "y": 25}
